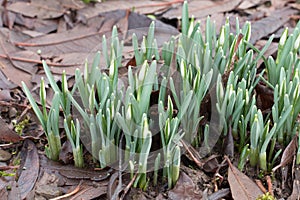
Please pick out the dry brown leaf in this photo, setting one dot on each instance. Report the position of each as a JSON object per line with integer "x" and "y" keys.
{"x": 270, "y": 51}
{"x": 203, "y": 8}
{"x": 242, "y": 187}
{"x": 30, "y": 168}
{"x": 270, "y": 24}
{"x": 14, "y": 193}
{"x": 113, "y": 185}
{"x": 90, "y": 192}
{"x": 83, "y": 40}
{"x": 4, "y": 82}
{"x": 5, "y": 95}
{"x": 228, "y": 145}
{"x": 296, "y": 185}
{"x": 295, "y": 5}
{"x": 6, "y": 134}
{"x": 211, "y": 164}
{"x": 69, "y": 50}
{"x": 30, "y": 68}
{"x": 278, "y": 3}
{"x": 66, "y": 153}
{"x": 72, "y": 47}
{"x": 38, "y": 8}
{"x": 184, "y": 189}
{"x": 3, "y": 190}
{"x": 143, "y": 7}
{"x": 288, "y": 153}
{"x": 250, "y": 3}
{"x": 72, "y": 172}
{"x": 220, "y": 194}
{"x": 12, "y": 73}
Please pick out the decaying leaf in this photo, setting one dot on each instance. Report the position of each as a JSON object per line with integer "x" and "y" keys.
{"x": 241, "y": 186}
{"x": 72, "y": 172}
{"x": 211, "y": 164}
{"x": 8, "y": 135}
{"x": 270, "y": 24}
{"x": 69, "y": 49}
{"x": 28, "y": 67}
{"x": 5, "y": 94}
{"x": 66, "y": 154}
{"x": 38, "y": 8}
{"x": 229, "y": 143}
{"x": 30, "y": 168}
{"x": 296, "y": 185}
{"x": 184, "y": 189}
{"x": 89, "y": 192}
{"x": 11, "y": 73}
{"x": 5, "y": 83}
{"x": 14, "y": 193}
{"x": 3, "y": 191}
{"x": 203, "y": 9}
{"x": 220, "y": 194}
{"x": 288, "y": 153}
{"x": 143, "y": 7}
{"x": 250, "y": 3}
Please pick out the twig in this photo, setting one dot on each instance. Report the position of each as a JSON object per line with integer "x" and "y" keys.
{"x": 68, "y": 194}
{"x": 24, "y": 44}
{"x": 23, "y": 114}
{"x": 4, "y": 103}
{"x": 198, "y": 163}
{"x": 36, "y": 61}
{"x": 217, "y": 177}
{"x": 160, "y": 4}
{"x": 260, "y": 185}
{"x": 6, "y": 145}
{"x": 79, "y": 193}
{"x": 7, "y": 55}
{"x": 9, "y": 167}
{"x": 270, "y": 186}
{"x": 126, "y": 189}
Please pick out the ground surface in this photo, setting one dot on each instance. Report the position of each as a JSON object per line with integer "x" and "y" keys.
{"x": 67, "y": 32}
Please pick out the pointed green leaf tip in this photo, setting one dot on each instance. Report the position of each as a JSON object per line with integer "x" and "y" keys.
{"x": 185, "y": 19}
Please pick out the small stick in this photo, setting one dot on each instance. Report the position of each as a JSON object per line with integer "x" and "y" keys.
{"x": 68, "y": 194}
{"x": 36, "y": 61}
{"x": 161, "y": 4}
{"x": 4, "y": 103}
{"x": 260, "y": 185}
{"x": 126, "y": 189}
{"x": 270, "y": 186}
{"x": 198, "y": 163}
{"x": 24, "y": 44}
{"x": 23, "y": 114}
{"x": 4, "y": 168}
